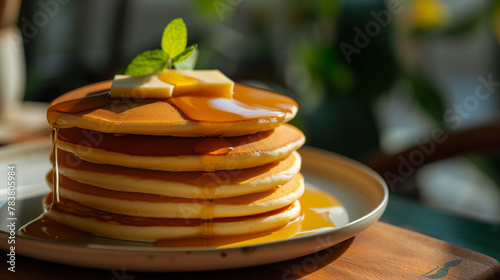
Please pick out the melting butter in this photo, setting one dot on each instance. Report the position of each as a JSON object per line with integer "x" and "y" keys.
{"x": 170, "y": 83}
{"x": 150, "y": 86}
{"x": 207, "y": 83}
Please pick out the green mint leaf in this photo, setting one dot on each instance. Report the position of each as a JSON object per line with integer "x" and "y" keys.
{"x": 174, "y": 38}
{"x": 173, "y": 53}
{"x": 147, "y": 63}
{"x": 189, "y": 62}
{"x": 185, "y": 54}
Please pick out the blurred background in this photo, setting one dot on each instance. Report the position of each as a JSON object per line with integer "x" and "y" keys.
{"x": 373, "y": 78}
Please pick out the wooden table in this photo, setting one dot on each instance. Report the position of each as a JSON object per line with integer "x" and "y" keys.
{"x": 383, "y": 251}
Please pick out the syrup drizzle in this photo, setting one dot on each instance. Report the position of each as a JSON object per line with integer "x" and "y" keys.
{"x": 247, "y": 103}
{"x": 55, "y": 165}
{"x": 74, "y": 105}
{"x": 207, "y": 149}
{"x": 207, "y": 214}
{"x": 208, "y": 193}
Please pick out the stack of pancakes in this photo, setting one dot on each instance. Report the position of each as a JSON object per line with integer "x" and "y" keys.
{"x": 143, "y": 170}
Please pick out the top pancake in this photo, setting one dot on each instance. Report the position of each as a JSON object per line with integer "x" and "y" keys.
{"x": 250, "y": 111}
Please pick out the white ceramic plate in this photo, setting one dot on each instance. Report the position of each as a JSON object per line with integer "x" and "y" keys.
{"x": 363, "y": 193}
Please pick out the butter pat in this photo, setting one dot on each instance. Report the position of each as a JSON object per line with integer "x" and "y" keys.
{"x": 210, "y": 83}
{"x": 170, "y": 83}
{"x": 150, "y": 86}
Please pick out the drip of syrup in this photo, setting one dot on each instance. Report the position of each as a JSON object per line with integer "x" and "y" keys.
{"x": 55, "y": 165}
{"x": 44, "y": 227}
{"x": 208, "y": 193}
{"x": 213, "y": 146}
{"x": 207, "y": 216}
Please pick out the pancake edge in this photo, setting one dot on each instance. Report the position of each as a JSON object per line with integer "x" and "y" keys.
{"x": 183, "y": 163}
{"x": 190, "y": 209}
{"x": 155, "y": 233}
{"x": 118, "y": 182}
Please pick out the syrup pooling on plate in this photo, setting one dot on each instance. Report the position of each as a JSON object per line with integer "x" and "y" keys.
{"x": 46, "y": 228}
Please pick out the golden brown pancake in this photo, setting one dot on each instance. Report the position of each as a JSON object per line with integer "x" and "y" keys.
{"x": 149, "y": 205}
{"x": 182, "y": 154}
{"x": 106, "y": 224}
{"x": 90, "y": 107}
{"x": 205, "y": 185}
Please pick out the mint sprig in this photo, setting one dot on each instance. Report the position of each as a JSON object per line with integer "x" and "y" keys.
{"x": 148, "y": 62}
{"x": 174, "y": 39}
{"x": 188, "y": 62}
{"x": 173, "y": 53}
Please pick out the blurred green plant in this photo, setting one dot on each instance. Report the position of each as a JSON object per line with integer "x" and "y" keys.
{"x": 293, "y": 47}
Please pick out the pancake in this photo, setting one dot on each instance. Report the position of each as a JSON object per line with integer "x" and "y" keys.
{"x": 250, "y": 111}
{"x": 106, "y": 224}
{"x": 148, "y": 205}
{"x": 182, "y": 154}
{"x": 204, "y": 185}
